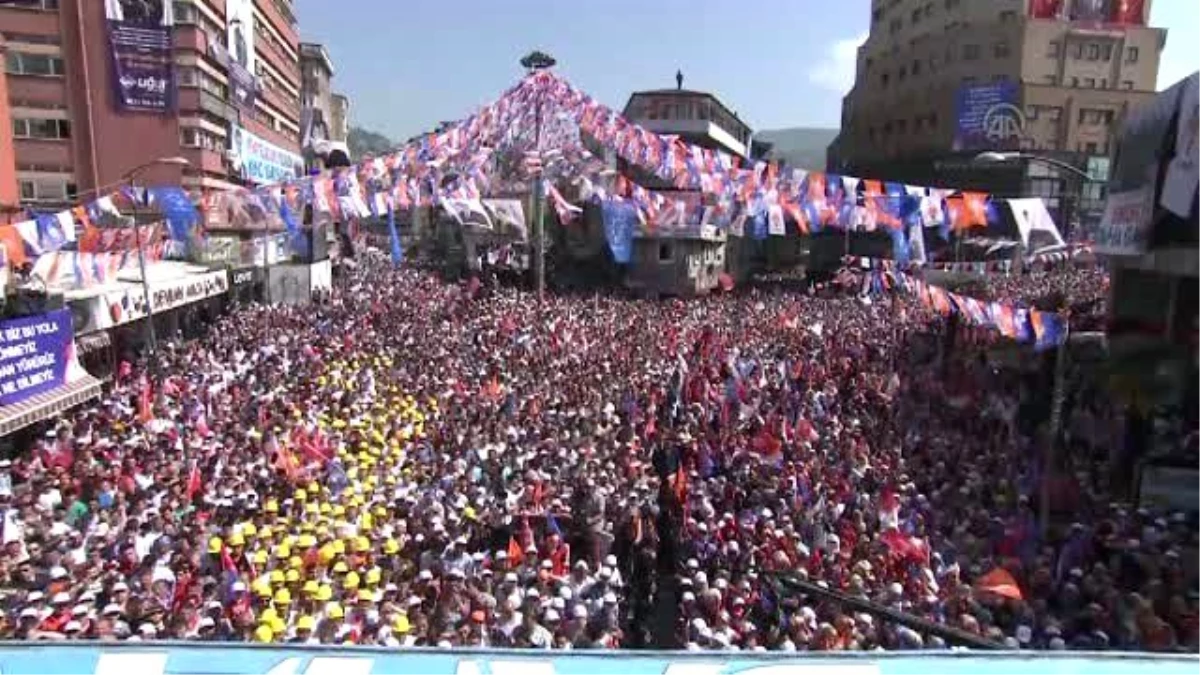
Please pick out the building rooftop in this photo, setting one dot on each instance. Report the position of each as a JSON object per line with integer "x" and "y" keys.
{"x": 317, "y": 52}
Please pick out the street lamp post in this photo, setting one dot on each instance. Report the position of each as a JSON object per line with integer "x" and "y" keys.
{"x": 1069, "y": 198}
{"x": 533, "y": 62}
{"x": 1059, "y": 392}
{"x": 130, "y": 179}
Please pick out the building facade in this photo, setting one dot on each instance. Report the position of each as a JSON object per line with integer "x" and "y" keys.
{"x": 940, "y": 81}
{"x": 225, "y": 94}
{"x": 339, "y": 118}
{"x": 324, "y": 113}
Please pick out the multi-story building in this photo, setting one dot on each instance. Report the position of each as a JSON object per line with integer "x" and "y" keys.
{"x": 223, "y": 93}
{"x": 940, "y": 81}
{"x": 339, "y": 118}
{"x": 324, "y": 113}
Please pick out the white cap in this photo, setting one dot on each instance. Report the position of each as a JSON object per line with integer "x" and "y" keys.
{"x": 610, "y": 598}
{"x": 552, "y": 615}
{"x": 58, "y": 572}
{"x": 61, "y": 598}
{"x": 119, "y": 587}
{"x": 578, "y": 611}
{"x": 29, "y": 613}
{"x": 111, "y": 609}
{"x": 147, "y": 629}
{"x": 35, "y": 596}
{"x": 73, "y": 626}
{"x": 206, "y": 622}
{"x": 238, "y": 587}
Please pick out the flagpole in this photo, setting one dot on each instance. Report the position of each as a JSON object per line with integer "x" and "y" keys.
{"x": 533, "y": 62}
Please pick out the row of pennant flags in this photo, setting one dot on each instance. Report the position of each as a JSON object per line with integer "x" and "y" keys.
{"x": 1044, "y": 330}
{"x": 566, "y": 138}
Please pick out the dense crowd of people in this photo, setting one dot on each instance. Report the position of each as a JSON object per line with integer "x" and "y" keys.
{"x": 408, "y": 462}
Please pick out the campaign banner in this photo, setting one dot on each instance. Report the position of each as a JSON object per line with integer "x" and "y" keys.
{"x": 263, "y": 162}
{"x": 35, "y": 352}
{"x": 989, "y": 117}
{"x": 139, "y": 35}
{"x": 1125, "y": 227}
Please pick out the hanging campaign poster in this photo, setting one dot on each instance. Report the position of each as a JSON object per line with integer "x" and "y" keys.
{"x": 239, "y": 38}
{"x": 989, "y": 117}
{"x": 35, "y": 352}
{"x": 139, "y": 35}
{"x": 262, "y": 162}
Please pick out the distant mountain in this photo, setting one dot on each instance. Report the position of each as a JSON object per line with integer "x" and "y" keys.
{"x": 802, "y": 147}
{"x": 362, "y": 141}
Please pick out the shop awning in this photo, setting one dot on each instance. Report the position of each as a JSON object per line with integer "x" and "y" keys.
{"x": 47, "y": 404}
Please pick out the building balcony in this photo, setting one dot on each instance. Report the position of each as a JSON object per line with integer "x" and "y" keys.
{"x": 280, "y": 14}
{"x": 204, "y": 159}
{"x": 38, "y": 152}
{"x": 699, "y": 128}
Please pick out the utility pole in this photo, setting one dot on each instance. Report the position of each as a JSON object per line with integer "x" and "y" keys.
{"x": 534, "y": 62}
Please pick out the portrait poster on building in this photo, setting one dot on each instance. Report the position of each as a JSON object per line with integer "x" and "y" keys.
{"x": 1045, "y": 9}
{"x": 139, "y": 35}
{"x": 1129, "y": 12}
{"x": 239, "y": 44}
{"x": 36, "y": 353}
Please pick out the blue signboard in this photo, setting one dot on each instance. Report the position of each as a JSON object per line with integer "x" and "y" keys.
{"x": 989, "y": 117}
{"x": 34, "y": 354}
{"x": 263, "y": 162}
{"x": 229, "y": 659}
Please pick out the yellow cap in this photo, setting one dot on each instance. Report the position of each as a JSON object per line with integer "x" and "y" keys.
{"x": 262, "y": 589}
{"x": 339, "y": 546}
{"x": 373, "y": 576}
{"x": 306, "y": 622}
{"x": 283, "y": 597}
{"x": 278, "y": 626}
{"x": 311, "y": 587}
{"x": 268, "y": 615}
{"x": 260, "y": 557}
{"x": 307, "y": 541}
{"x": 277, "y": 577}
{"x": 334, "y": 611}
{"x": 272, "y": 506}
{"x": 283, "y": 552}
{"x": 249, "y": 529}
{"x": 351, "y": 581}
{"x": 295, "y": 562}
{"x": 365, "y": 595}
{"x": 341, "y": 567}
{"x": 265, "y": 532}
{"x": 263, "y": 633}
{"x": 292, "y": 576}
{"x": 214, "y": 545}
{"x": 325, "y": 593}
{"x": 300, "y": 495}
{"x": 400, "y": 624}
{"x": 391, "y": 547}
{"x": 362, "y": 545}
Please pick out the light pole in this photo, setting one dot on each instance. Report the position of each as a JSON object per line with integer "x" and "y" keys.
{"x": 1069, "y": 197}
{"x": 533, "y": 62}
{"x": 130, "y": 179}
{"x": 1059, "y": 392}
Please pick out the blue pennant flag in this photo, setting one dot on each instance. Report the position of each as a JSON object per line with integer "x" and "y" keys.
{"x": 397, "y": 250}
{"x": 177, "y": 209}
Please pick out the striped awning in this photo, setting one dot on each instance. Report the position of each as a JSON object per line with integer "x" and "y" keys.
{"x": 47, "y": 404}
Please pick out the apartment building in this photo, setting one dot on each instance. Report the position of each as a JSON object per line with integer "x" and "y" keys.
{"x": 225, "y": 94}
{"x": 324, "y": 112}
{"x": 940, "y": 81}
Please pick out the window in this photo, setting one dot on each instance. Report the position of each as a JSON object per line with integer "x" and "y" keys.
{"x": 1078, "y": 50}
{"x": 666, "y": 253}
{"x": 185, "y": 12}
{"x": 896, "y": 25}
{"x": 1051, "y": 79}
{"x": 1031, "y": 112}
{"x": 901, "y": 74}
{"x": 970, "y": 52}
{"x": 41, "y": 129}
{"x": 1104, "y": 83}
{"x": 1089, "y": 82}
{"x": 1008, "y": 15}
{"x": 1054, "y": 113}
{"x": 951, "y": 4}
{"x": 1074, "y": 81}
{"x": 1106, "y": 53}
{"x": 933, "y": 120}
{"x": 916, "y": 15}
{"x": 1053, "y": 49}
{"x": 1127, "y": 84}
{"x": 1001, "y": 49}
{"x": 1089, "y": 148}
{"x": 187, "y": 76}
{"x": 968, "y": 81}
{"x": 1093, "y": 52}
{"x": 1131, "y": 55}
{"x": 46, "y": 189}
{"x": 883, "y": 80}
{"x": 21, "y": 63}
{"x": 30, "y": 4}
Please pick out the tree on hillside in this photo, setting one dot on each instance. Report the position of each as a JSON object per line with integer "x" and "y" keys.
{"x": 363, "y": 141}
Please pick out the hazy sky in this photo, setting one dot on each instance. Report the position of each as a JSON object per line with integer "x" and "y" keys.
{"x": 408, "y": 64}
